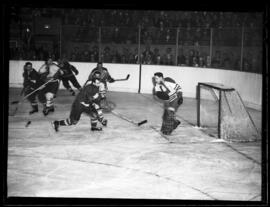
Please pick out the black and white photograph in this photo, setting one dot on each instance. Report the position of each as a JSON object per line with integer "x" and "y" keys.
{"x": 127, "y": 103}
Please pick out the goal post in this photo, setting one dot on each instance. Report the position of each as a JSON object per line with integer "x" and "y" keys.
{"x": 221, "y": 113}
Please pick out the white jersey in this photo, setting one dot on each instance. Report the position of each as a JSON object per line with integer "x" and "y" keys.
{"x": 170, "y": 88}
{"x": 51, "y": 69}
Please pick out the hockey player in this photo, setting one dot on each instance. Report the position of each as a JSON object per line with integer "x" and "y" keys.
{"x": 87, "y": 101}
{"x": 68, "y": 75}
{"x": 105, "y": 76}
{"x": 49, "y": 72}
{"x": 168, "y": 90}
{"x": 31, "y": 81}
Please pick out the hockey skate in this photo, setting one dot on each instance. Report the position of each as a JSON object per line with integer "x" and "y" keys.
{"x": 96, "y": 128}
{"x": 72, "y": 92}
{"x": 176, "y": 124}
{"x": 55, "y": 125}
{"x": 47, "y": 110}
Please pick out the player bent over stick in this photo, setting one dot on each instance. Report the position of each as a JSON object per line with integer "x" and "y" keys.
{"x": 166, "y": 89}
{"x": 87, "y": 101}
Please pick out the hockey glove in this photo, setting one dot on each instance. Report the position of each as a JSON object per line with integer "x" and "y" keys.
{"x": 112, "y": 80}
{"x": 180, "y": 98}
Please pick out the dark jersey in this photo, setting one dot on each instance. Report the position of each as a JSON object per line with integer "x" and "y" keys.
{"x": 88, "y": 95}
{"x": 105, "y": 76}
{"x": 31, "y": 79}
{"x": 68, "y": 70}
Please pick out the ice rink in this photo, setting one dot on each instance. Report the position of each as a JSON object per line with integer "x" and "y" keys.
{"x": 125, "y": 160}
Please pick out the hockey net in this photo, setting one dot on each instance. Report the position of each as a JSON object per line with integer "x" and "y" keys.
{"x": 221, "y": 113}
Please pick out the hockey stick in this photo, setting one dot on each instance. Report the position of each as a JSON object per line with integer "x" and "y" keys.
{"x": 22, "y": 91}
{"x": 16, "y": 102}
{"x": 127, "y": 119}
{"x": 123, "y": 79}
{"x": 85, "y": 83}
{"x": 19, "y": 102}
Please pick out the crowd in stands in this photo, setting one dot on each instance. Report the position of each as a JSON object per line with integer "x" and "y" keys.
{"x": 157, "y": 27}
{"x": 148, "y": 18}
{"x": 149, "y": 56}
{"x": 33, "y": 53}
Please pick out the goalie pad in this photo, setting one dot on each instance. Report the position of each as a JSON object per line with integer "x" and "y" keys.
{"x": 168, "y": 122}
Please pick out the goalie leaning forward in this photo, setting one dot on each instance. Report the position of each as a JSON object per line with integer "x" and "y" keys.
{"x": 170, "y": 92}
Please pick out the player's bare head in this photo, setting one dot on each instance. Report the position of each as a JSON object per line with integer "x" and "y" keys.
{"x": 49, "y": 61}
{"x": 60, "y": 62}
{"x": 158, "y": 77}
{"x": 96, "y": 78}
{"x": 28, "y": 66}
{"x": 99, "y": 64}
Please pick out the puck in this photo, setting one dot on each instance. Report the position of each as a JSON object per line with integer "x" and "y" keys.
{"x": 142, "y": 122}
{"x": 28, "y": 123}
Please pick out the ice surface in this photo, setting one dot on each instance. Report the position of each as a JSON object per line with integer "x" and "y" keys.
{"x": 124, "y": 160}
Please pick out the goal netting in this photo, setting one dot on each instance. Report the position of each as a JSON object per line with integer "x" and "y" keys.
{"x": 221, "y": 113}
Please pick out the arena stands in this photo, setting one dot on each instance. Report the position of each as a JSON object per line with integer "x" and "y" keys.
{"x": 227, "y": 40}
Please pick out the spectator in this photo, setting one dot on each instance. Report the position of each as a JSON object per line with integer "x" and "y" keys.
{"x": 168, "y": 57}
{"x": 125, "y": 55}
{"x": 226, "y": 63}
{"x": 197, "y": 54}
{"x": 190, "y": 57}
{"x": 195, "y": 62}
{"x": 201, "y": 63}
{"x": 216, "y": 61}
{"x": 85, "y": 55}
{"x": 75, "y": 55}
{"x": 107, "y": 57}
{"x": 135, "y": 57}
{"x": 94, "y": 54}
{"x": 208, "y": 61}
{"x": 181, "y": 59}
{"x": 116, "y": 58}
{"x": 147, "y": 55}
{"x": 147, "y": 58}
{"x": 156, "y": 57}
